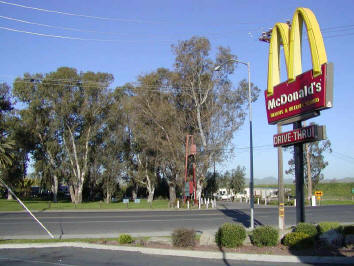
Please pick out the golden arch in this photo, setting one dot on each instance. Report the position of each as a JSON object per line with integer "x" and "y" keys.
{"x": 292, "y": 42}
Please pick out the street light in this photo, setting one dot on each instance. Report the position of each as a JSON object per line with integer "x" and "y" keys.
{"x": 218, "y": 68}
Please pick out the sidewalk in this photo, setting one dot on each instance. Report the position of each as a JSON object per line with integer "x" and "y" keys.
{"x": 193, "y": 254}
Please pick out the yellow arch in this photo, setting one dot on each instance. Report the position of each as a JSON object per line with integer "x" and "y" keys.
{"x": 292, "y": 42}
{"x": 280, "y": 35}
{"x": 318, "y": 51}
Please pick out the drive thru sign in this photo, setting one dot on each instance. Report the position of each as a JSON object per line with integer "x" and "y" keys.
{"x": 300, "y": 135}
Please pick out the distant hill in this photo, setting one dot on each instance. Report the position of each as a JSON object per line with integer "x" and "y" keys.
{"x": 342, "y": 180}
{"x": 270, "y": 180}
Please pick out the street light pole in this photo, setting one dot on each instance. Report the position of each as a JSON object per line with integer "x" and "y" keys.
{"x": 217, "y": 68}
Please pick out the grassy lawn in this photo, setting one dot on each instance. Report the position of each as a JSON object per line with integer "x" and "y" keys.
{"x": 37, "y": 205}
{"x": 336, "y": 202}
{"x": 333, "y": 193}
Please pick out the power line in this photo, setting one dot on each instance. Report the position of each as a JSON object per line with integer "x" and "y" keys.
{"x": 342, "y": 158}
{"x": 336, "y": 28}
{"x": 77, "y": 38}
{"x": 83, "y": 30}
{"x": 344, "y": 155}
{"x": 56, "y": 27}
{"x": 78, "y": 15}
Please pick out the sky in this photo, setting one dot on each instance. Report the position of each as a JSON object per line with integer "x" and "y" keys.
{"x": 131, "y": 38}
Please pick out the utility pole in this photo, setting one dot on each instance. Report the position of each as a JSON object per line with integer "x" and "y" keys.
{"x": 265, "y": 37}
{"x": 309, "y": 177}
{"x": 281, "y": 220}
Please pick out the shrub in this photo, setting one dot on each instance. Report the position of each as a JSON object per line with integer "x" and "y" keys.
{"x": 125, "y": 239}
{"x": 348, "y": 230}
{"x": 306, "y": 228}
{"x": 183, "y": 237}
{"x": 327, "y": 226}
{"x": 298, "y": 240}
{"x": 230, "y": 235}
{"x": 265, "y": 236}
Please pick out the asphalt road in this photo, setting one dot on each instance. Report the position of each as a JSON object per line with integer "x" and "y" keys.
{"x": 113, "y": 223}
{"x": 80, "y": 256}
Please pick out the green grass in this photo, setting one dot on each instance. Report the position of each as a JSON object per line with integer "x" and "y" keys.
{"x": 37, "y": 205}
{"x": 333, "y": 193}
{"x": 336, "y": 191}
{"x": 336, "y": 202}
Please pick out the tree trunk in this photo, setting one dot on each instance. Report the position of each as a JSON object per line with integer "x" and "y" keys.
{"x": 72, "y": 193}
{"x": 9, "y": 196}
{"x": 199, "y": 188}
{"x": 172, "y": 193}
{"x": 201, "y": 131}
{"x": 309, "y": 178}
{"x": 78, "y": 193}
{"x": 108, "y": 197}
{"x": 135, "y": 191}
{"x": 151, "y": 194}
{"x": 55, "y": 188}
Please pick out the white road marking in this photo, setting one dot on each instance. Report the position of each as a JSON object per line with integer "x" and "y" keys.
{"x": 126, "y": 221}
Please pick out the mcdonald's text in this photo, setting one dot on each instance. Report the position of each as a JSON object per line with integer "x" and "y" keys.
{"x": 305, "y": 95}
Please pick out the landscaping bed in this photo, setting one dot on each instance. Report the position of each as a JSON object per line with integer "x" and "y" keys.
{"x": 245, "y": 249}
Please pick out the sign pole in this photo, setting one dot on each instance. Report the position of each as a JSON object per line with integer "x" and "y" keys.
{"x": 280, "y": 186}
{"x": 299, "y": 178}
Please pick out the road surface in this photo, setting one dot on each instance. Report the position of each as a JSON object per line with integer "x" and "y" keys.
{"x": 113, "y": 223}
{"x": 80, "y": 256}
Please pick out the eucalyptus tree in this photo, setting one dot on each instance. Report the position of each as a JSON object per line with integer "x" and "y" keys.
{"x": 12, "y": 154}
{"x": 6, "y": 145}
{"x": 38, "y": 116}
{"x": 22, "y": 140}
{"x": 76, "y": 107}
{"x": 214, "y": 109}
{"x": 237, "y": 179}
{"x": 110, "y": 149}
{"x": 317, "y": 162}
{"x": 158, "y": 131}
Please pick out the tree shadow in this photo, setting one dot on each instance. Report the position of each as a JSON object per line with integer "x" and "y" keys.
{"x": 224, "y": 256}
{"x": 333, "y": 255}
{"x": 239, "y": 216}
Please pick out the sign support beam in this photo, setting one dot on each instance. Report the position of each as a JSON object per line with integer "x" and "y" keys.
{"x": 299, "y": 178}
{"x": 281, "y": 220}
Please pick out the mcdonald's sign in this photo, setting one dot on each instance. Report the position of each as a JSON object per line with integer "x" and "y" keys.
{"x": 303, "y": 95}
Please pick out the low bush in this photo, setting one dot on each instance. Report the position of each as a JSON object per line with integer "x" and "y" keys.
{"x": 348, "y": 230}
{"x": 264, "y": 236}
{"x": 125, "y": 239}
{"x": 183, "y": 237}
{"x": 230, "y": 235}
{"x": 327, "y": 226}
{"x": 298, "y": 240}
{"x": 306, "y": 228}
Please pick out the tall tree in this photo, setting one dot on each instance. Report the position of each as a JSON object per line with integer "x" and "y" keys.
{"x": 237, "y": 179}
{"x": 77, "y": 103}
{"x": 6, "y": 144}
{"x": 211, "y": 186}
{"x": 111, "y": 148}
{"x": 158, "y": 130}
{"x": 317, "y": 151}
{"x": 38, "y": 117}
{"x": 15, "y": 142}
{"x": 212, "y": 107}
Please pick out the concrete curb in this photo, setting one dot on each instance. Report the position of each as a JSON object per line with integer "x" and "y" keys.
{"x": 191, "y": 253}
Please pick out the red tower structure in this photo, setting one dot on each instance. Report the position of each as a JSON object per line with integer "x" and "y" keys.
{"x": 190, "y": 183}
